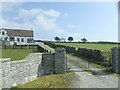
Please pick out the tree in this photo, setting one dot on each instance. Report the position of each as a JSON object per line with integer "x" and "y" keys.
{"x": 57, "y": 39}
{"x": 70, "y": 39}
{"x": 84, "y": 40}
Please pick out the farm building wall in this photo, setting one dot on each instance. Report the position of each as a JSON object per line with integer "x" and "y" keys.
{"x": 14, "y": 73}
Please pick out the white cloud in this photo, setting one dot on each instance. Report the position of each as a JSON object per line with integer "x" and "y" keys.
{"x": 73, "y": 26}
{"x": 52, "y": 13}
{"x": 45, "y": 23}
{"x": 32, "y": 13}
{"x": 36, "y": 18}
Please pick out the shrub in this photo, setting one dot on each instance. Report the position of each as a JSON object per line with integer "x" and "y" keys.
{"x": 93, "y": 55}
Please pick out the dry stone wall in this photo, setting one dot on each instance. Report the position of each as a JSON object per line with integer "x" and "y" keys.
{"x": 14, "y": 73}
{"x": 116, "y": 60}
{"x": 19, "y": 72}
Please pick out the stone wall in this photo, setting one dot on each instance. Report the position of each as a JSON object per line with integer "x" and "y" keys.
{"x": 14, "y": 73}
{"x": 116, "y": 60}
{"x": 19, "y": 72}
{"x": 48, "y": 63}
{"x": 60, "y": 62}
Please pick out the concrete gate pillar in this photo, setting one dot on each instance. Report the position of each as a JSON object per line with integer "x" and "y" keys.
{"x": 60, "y": 61}
{"x": 116, "y": 60}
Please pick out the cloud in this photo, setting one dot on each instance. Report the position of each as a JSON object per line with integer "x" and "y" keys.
{"x": 73, "y": 26}
{"x": 52, "y": 13}
{"x": 36, "y": 12}
{"x": 36, "y": 18}
{"x": 45, "y": 23}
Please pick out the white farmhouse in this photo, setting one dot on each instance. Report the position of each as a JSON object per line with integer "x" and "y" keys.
{"x": 20, "y": 37}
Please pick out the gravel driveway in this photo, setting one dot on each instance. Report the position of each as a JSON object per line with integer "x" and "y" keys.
{"x": 88, "y": 80}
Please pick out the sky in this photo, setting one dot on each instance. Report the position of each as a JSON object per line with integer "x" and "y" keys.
{"x": 95, "y": 21}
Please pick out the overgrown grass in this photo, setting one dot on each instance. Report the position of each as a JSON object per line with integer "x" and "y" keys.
{"x": 16, "y": 54}
{"x": 103, "y": 47}
{"x": 81, "y": 66}
{"x": 91, "y": 62}
{"x": 50, "y": 81}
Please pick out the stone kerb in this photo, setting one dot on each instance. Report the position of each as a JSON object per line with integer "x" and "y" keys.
{"x": 116, "y": 60}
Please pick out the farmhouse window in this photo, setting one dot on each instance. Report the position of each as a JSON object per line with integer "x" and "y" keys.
{"x": 11, "y": 38}
{"x": 3, "y": 33}
{"x": 29, "y": 40}
{"x": 18, "y": 39}
{"x": 22, "y": 39}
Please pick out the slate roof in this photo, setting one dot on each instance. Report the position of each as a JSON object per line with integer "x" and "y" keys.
{"x": 18, "y": 32}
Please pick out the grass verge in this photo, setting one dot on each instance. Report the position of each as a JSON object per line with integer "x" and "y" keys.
{"x": 50, "y": 81}
{"x": 81, "y": 66}
{"x": 15, "y": 54}
{"x": 103, "y": 47}
{"x": 90, "y": 62}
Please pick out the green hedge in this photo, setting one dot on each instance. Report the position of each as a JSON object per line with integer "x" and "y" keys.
{"x": 93, "y": 55}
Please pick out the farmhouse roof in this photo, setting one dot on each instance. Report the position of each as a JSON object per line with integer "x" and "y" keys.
{"x": 18, "y": 32}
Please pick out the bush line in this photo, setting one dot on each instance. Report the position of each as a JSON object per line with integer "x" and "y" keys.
{"x": 93, "y": 55}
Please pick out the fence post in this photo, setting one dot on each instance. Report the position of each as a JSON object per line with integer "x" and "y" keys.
{"x": 60, "y": 62}
{"x": 116, "y": 60}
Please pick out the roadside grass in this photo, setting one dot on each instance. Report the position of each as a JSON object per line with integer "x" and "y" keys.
{"x": 117, "y": 75}
{"x": 90, "y": 62}
{"x": 81, "y": 66}
{"x": 16, "y": 54}
{"x": 50, "y": 81}
{"x": 84, "y": 67}
{"x": 102, "y": 47}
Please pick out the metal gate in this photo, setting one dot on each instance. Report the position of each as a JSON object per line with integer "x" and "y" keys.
{"x": 76, "y": 64}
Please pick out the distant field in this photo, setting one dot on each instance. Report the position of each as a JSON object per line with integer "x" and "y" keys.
{"x": 104, "y": 47}
{"x": 15, "y": 54}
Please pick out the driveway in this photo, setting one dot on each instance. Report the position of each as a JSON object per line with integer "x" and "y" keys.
{"x": 88, "y": 80}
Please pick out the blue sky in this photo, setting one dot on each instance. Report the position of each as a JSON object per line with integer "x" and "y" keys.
{"x": 96, "y": 21}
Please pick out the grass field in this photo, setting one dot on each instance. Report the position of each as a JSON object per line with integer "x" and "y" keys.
{"x": 15, "y": 54}
{"x": 103, "y": 47}
{"x": 50, "y": 81}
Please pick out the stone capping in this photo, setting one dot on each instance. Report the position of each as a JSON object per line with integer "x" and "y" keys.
{"x": 47, "y": 53}
{"x": 115, "y": 48}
